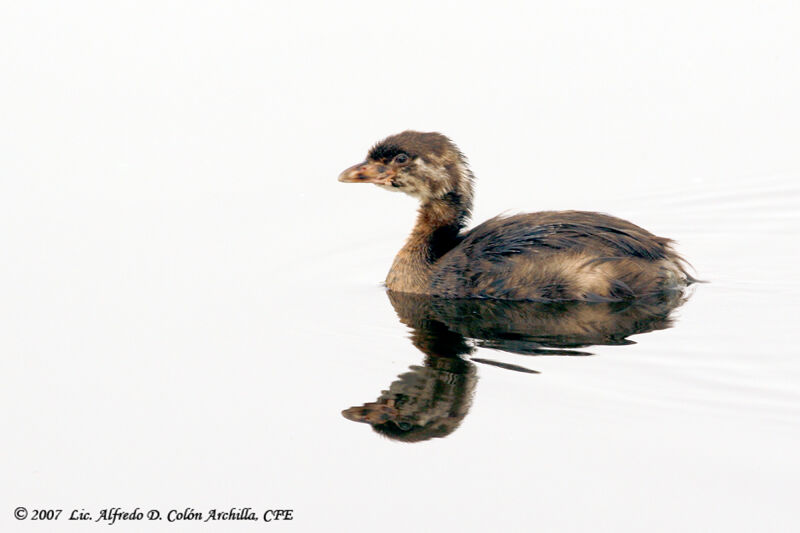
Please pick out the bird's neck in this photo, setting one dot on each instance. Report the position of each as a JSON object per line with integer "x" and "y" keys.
{"x": 435, "y": 233}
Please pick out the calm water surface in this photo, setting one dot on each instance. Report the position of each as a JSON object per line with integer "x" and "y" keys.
{"x": 248, "y": 376}
{"x": 191, "y": 309}
{"x": 683, "y": 411}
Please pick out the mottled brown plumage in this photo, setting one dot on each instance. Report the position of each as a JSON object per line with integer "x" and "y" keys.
{"x": 547, "y": 256}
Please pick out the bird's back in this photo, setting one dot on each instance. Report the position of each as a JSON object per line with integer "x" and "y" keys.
{"x": 558, "y": 255}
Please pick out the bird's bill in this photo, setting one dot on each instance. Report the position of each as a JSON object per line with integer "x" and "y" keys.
{"x": 371, "y": 413}
{"x": 368, "y": 172}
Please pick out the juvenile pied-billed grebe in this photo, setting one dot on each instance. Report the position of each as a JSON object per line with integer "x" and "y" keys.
{"x": 547, "y": 256}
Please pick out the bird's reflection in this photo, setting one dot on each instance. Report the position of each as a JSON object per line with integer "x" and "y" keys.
{"x": 431, "y": 400}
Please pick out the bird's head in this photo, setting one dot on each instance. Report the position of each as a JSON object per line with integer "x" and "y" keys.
{"x": 427, "y": 166}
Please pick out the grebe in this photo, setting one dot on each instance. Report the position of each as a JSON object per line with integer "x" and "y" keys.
{"x": 546, "y": 256}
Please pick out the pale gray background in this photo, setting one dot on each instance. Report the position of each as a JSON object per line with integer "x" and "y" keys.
{"x": 188, "y": 298}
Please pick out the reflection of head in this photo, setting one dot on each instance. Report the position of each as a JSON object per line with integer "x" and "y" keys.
{"x": 428, "y": 402}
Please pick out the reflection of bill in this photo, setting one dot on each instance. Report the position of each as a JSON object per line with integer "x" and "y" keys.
{"x": 431, "y": 400}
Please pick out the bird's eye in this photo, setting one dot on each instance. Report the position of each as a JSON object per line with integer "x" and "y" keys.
{"x": 400, "y": 158}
